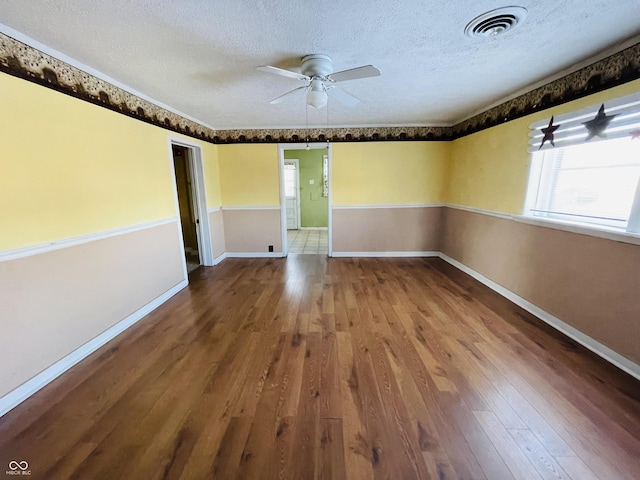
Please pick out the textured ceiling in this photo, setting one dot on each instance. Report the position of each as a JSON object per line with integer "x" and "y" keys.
{"x": 200, "y": 57}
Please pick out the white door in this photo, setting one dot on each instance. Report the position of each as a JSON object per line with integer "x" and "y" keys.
{"x": 291, "y": 193}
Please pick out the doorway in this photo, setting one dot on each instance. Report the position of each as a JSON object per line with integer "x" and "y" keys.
{"x": 305, "y": 198}
{"x": 191, "y": 204}
{"x": 186, "y": 203}
{"x": 292, "y": 192}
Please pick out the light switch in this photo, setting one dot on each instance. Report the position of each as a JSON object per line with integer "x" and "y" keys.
{"x": 312, "y": 182}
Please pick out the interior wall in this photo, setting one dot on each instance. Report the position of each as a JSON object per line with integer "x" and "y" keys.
{"x": 90, "y": 229}
{"x": 250, "y": 197}
{"x": 489, "y": 169}
{"x": 389, "y": 173}
{"x": 55, "y": 302}
{"x": 412, "y": 231}
{"x": 395, "y": 180}
{"x": 387, "y": 196}
{"x": 589, "y": 283}
{"x": 211, "y": 168}
{"x": 72, "y": 168}
{"x": 249, "y": 175}
{"x": 314, "y": 206}
{"x": 185, "y": 196}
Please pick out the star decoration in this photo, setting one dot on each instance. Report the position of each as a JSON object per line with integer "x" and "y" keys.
{"x": 635, "y": 134}
{"x": 598, "y": 125}
{"x": 548, "y": 133}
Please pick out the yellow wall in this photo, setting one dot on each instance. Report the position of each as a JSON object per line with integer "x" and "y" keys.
{"x": 389, "y": 173}
{"x": 249, "y": 175}
{"x": 211, "y": 174}
{"x": 489, "y": 169}
{"x": 69, "y": 168}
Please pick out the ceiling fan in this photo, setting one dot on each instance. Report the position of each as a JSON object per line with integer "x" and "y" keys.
{"x": 317, "y": 73}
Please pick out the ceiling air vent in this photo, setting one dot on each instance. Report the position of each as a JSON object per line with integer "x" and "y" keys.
{"x": 496, "y": 22}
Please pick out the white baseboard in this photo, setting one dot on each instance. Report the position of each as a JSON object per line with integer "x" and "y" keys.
{"x": 386, "y": 254}
{"x": 583, "y": 339}
{"x": 24, "y": 391}
{"x": 217, "y": 260}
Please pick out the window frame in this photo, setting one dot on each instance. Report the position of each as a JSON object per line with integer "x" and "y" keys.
{"x": 535, "y": 182}
{"x": 629, "y": 108}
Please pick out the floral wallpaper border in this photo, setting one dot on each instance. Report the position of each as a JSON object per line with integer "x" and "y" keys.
{"x": 24, "y": 61}
{"x": 619, "y": 68}
{"x": 344, "y": 134}
{"x": 21, "y": 60}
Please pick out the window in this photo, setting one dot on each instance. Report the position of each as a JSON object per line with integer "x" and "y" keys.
{"x": 593, "y": 182}
{"x": 290, "y": 180}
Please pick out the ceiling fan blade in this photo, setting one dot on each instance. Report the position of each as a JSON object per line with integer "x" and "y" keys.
{"x": 287, "y": 95}
{"x": 355, "y": 73}
{"x": 282, "y": 72}
{"x": 342, "y": 96}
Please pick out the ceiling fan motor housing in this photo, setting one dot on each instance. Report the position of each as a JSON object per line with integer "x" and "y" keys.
{"x": 316, "y": 65}
{"x": 317, "y": 72}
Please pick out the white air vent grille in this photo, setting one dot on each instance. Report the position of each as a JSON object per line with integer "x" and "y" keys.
{"x": 496, "y": 22}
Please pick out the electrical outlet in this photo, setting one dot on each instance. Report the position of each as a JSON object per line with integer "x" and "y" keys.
{"x": 271, "y": 248}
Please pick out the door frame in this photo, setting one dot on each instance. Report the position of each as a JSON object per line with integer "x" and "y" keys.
{"x": 297, "y": 163}
{"x": 283, "y": 207}
{"x": 203, "y": 232}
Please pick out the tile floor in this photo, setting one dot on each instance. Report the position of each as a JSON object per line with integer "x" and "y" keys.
{"x": 308, "y": 241}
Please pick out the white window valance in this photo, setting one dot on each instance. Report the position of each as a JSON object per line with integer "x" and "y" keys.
{"x": 625, "y": 113}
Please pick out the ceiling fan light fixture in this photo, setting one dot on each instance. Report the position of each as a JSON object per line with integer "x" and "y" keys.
{"x": 317, "y": 96}
{"x": 317, "y": 70}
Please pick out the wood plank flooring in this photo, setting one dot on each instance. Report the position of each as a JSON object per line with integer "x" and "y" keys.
{"x": 316, "y": 368}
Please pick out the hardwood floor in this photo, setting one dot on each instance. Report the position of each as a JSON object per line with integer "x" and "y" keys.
{"x": 316, "y": 368}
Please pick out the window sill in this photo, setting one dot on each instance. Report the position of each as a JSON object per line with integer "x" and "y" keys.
{"x": 608, "y": 233}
